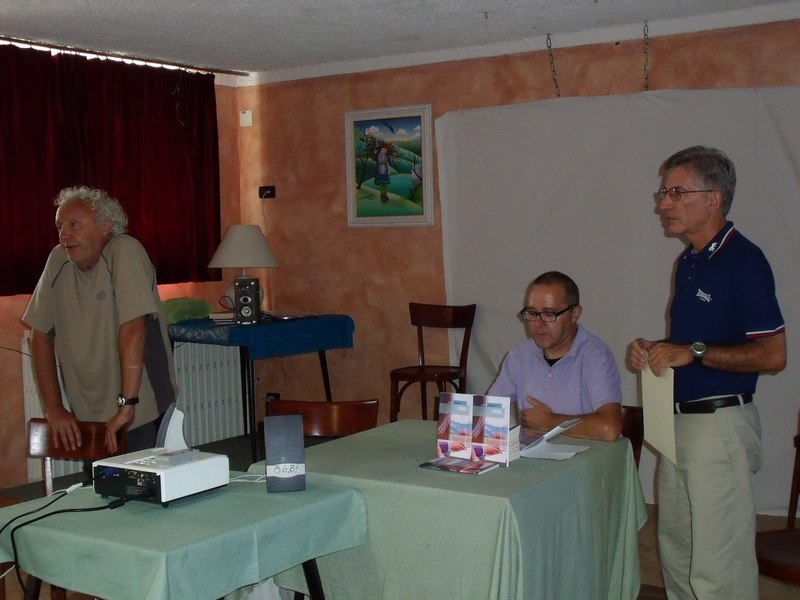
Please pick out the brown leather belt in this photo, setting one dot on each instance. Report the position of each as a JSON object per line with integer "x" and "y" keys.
{"x": 712, "y": 404}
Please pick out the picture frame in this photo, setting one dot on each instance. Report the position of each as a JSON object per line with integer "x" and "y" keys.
{"x": 389, "y": 167}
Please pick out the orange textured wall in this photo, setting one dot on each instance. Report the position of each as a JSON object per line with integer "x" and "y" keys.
{"x": 297, "y": 144}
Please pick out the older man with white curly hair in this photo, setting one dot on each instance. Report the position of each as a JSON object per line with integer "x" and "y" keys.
{"x": 96, "y": 307}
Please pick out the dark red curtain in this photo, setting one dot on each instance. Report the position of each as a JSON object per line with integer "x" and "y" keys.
{"x": 148, "y": 136}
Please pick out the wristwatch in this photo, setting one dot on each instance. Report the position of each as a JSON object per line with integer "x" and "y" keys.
{"x": 123, "y": 401}
{"x": 699, "y": 350}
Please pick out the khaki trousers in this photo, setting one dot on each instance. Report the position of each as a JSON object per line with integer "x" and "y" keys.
{"x": 706, "y": 510}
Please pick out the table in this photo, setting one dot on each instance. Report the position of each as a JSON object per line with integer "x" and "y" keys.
{"x": 269, "y": 339}
{"x": 538, "y": 529}
{"x": 200, "y": 547}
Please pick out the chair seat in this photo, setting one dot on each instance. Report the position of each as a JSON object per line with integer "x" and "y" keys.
{"x": 778, "y": 554}
{"x": 427, "y": 373}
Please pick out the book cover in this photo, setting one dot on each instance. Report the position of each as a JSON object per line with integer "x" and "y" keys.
{"x": 443, "y": 429}
{"x": 460, "y": 465}
{"x": 496, "y": 440}
{"x": 460, "y": 436}
{"x": 477, "y": 450}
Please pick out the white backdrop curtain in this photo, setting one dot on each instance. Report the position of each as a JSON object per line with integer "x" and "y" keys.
{"x": 568, "y": 184}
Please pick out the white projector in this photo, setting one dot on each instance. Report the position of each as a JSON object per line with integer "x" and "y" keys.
{"x": 160, "y": 474}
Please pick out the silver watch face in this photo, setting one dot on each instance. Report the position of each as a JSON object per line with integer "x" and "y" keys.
{"x": 699, "y": 349}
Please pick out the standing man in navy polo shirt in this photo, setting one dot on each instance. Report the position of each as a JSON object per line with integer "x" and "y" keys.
{"x": 725, "y": 328}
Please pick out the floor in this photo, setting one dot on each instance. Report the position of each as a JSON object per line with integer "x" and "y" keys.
{"x": 238, "y": 451}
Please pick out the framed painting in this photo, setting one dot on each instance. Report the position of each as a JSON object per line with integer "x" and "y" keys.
{"x": 389, "y": 167}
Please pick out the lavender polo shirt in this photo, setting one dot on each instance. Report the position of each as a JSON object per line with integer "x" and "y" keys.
{"x": 583, "y": 380}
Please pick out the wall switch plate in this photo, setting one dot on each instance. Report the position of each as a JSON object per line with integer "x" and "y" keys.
{"x": 266, "y": 191}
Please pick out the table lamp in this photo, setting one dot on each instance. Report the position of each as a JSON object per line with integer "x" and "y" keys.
{"x": 244, "y": 246}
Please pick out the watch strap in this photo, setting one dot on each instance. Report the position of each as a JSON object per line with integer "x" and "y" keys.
{"x": 123, "y": 401}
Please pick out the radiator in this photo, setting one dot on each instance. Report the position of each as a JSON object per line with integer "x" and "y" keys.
{"x": 33, "y": 409}
{"x": 210, "y": 395}
{"x": 210, "y": 391}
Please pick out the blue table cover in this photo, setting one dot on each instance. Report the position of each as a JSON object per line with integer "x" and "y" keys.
{"x": 271, "y": 338}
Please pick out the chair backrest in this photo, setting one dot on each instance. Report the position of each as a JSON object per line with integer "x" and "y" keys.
{"x": 633, "y": 429}
{"x": 93, "y": 447}
{"x": 329, "y": 419}
{"x": 795, "y": 489}
{"x": 442, "y": 316}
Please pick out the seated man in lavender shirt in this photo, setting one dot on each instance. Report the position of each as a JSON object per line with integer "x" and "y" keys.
{"x": 561, "y": 371}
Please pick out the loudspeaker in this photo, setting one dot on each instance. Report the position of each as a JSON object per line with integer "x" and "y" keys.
{"x": 246, "y": 301}
{"x": 285, "y": 453}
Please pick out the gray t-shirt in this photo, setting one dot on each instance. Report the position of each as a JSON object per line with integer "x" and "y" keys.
{"x": 84, "y": 309}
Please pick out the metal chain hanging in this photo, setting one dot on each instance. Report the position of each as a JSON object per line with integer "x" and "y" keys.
{"x": 553, "y": 66}
{"x": 646, "y": 58}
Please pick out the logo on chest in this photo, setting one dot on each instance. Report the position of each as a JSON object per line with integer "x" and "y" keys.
{"x": 705, "y": 297}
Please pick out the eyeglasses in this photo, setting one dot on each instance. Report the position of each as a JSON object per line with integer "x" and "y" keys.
{"x": 675, "y": 193}
{"x": 547, "y": 316}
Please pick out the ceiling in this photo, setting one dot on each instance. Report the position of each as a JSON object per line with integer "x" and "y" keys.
{"x": 288, "y": 39}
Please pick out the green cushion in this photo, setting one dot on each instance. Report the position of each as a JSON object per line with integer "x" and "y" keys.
{"x": 182, "y": 309}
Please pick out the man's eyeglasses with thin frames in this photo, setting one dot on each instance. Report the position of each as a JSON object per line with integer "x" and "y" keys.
{"x": 675, "y": 193}
{"x": 547, "y": 316}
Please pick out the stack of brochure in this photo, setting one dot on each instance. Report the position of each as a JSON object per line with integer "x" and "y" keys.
{"x": 473, "y": 433}
{"x": 477, "y": 433}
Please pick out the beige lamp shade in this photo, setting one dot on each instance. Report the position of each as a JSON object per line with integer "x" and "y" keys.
{"x": 243, "y": 246}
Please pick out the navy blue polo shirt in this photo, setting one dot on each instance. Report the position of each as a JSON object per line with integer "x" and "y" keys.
{"x": 724, "y": 294}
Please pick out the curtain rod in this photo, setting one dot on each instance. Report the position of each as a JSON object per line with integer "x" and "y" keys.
{"x": 123, "y": 57}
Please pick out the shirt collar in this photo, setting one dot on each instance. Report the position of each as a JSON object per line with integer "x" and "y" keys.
{"x": 573, "y": 349}
{"x": 715, "y": 245}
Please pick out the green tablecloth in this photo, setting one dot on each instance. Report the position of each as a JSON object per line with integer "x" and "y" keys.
{"x": 538, "y": 529}
{"x": 200, "y": 547}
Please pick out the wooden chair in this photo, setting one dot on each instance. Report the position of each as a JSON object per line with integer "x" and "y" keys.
{"x": 443, "y": 317}
{"x": 633, "y": 429}
{"x": 329, "y": 419}
{"x": 778, "y": 552}
{"x": 40, "y": 445}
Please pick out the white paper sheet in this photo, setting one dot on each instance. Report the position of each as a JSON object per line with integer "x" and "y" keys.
{"x": 659, "y": 415}
{"x": 552, "y": 451}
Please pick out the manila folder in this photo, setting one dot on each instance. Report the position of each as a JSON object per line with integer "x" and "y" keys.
{"x": 659, "y": 411}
